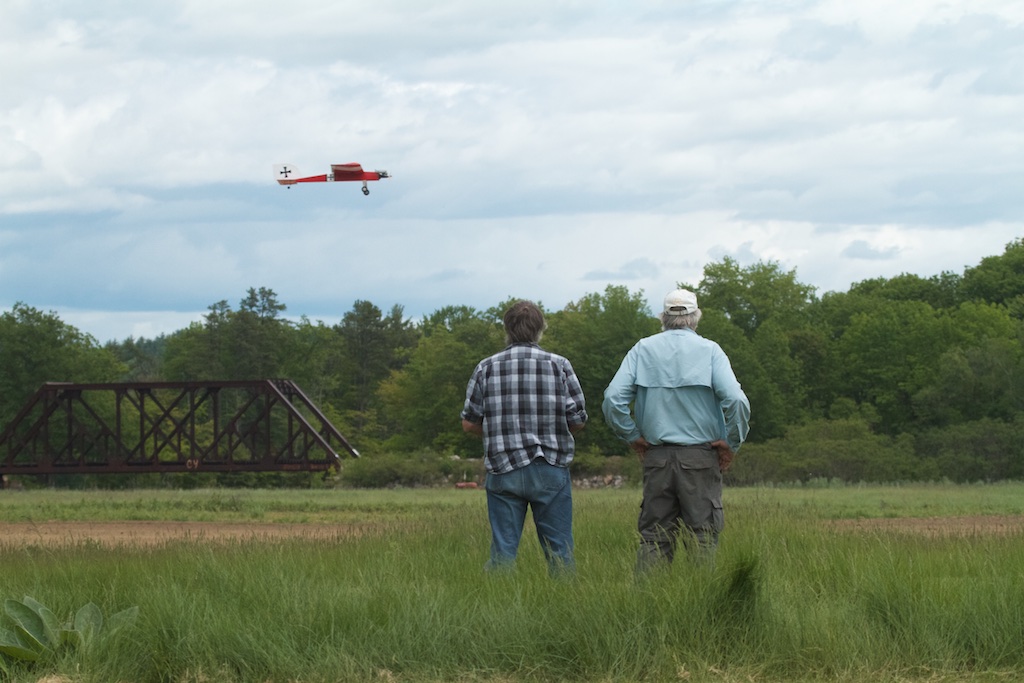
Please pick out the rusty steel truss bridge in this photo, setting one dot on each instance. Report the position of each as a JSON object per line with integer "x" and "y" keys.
{"x": 144, "y": 427}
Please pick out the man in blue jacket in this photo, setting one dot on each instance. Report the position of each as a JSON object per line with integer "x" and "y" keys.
{"x": 689, "y": 417}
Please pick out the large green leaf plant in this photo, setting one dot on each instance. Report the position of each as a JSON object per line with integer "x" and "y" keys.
{"x": 31, "y": 632}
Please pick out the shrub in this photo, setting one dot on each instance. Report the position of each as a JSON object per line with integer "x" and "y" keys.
{"x": 30, "y": 631}
{"x": 416, "y": 470}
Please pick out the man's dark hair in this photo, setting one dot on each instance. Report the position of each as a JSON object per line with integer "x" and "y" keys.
{"x": 524, "y": 323}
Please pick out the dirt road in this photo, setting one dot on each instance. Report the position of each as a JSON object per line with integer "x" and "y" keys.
{"x": 154, "y": 533}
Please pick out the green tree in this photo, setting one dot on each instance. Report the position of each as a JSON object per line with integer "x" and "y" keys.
{"x": 142, "y": 357}
{"x": 833, "y": 312}
{"x": 595, "y": 333}
{"x": 249, "y": 344}
{"x": 370, "y": 347}
{"x": 751, "y": 296}
{"x": 772, "y": 313}
{"x": 258, "y": 338}
{"x": 842, "y": 449}
{"x": 998, "y": 279}
{"x": 37, "y": 347}
{"x": 781, "y": 370}
{"x": 888, "y": 354}
{"x": 818, "y": 347}
{"x": 894, "y": 356}
{"x": 373, "y": 345}
{"x": 938, "y": 291}
{"x": 767, "y": 409}
{"x": 262, "y": 303}
{"x": 981, "y": 450}
{"x": 470, "y": 326}
{"x": 981, "y": 374}
{"x": 421, "y": 402}
{"x": 813, "y": 350}
{"x": 198, "y": 351}
{"x": 315, "y": 363}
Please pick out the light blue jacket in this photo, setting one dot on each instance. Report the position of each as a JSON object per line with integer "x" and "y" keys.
{"x": 683, "y": 391}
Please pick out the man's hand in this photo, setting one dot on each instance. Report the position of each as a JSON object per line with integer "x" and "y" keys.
{"x": 640, "y": 446}
{"x": 472, "y": 428}
{"x": 725, "y": 454}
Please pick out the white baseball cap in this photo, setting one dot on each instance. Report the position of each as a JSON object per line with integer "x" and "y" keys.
{"x": 680, "y": 302}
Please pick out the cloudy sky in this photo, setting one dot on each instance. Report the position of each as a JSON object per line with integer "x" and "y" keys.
{"x": 538, "y": 149}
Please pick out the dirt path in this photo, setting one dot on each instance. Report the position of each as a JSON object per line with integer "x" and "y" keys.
{"x": 20, "y": 534}
{"x": 975, "y": 525}
{"x": 154, "y": 533}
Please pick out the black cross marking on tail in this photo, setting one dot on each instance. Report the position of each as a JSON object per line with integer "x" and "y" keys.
{"x": 285, "y": 171}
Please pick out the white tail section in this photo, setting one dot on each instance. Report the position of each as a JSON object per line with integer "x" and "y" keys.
{"x": 286, "y": 174}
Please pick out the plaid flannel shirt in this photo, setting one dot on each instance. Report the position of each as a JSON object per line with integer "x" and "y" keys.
{"x": 526, "y": 398}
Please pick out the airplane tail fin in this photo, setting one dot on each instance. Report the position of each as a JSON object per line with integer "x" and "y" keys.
{"x": 286, "y": 174}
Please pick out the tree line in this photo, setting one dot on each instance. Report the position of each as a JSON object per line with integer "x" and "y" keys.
{"x": 897, "y": 379}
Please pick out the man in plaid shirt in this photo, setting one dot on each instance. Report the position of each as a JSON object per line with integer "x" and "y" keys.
{"x": 527, "y": 403}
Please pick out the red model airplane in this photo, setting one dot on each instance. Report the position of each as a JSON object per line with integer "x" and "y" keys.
{"x": 288, "y": 175}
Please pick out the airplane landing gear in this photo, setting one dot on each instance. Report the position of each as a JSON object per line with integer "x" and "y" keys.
{"x": 366, "y": 190}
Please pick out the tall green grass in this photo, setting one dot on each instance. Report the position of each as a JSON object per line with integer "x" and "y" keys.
{"x": 789, "y": 598}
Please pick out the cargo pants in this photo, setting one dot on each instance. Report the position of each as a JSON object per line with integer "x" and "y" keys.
{"x": 682, "y": 499}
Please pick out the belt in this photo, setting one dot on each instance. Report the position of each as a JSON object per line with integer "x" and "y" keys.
{"x": 680, "y": 445}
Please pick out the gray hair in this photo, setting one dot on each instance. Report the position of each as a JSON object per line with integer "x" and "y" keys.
{"x": 687, "y": 321}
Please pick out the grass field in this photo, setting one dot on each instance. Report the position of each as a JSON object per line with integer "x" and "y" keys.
{"x": 828, "y": 583}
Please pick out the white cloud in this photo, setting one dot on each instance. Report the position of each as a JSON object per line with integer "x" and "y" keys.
{"x": 536, "y": 150}
{"x": 120, "y": 325}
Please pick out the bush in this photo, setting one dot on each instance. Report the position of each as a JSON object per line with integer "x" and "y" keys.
{"x": 845, "y": 449}
{"x": 427, "y": 468}
{"x": 416, "y": 470}
{"x": 984, "y": 450}
{"x": 590, "y": 463}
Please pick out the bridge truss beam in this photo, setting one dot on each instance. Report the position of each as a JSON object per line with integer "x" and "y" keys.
{"x": 135, "y": 427}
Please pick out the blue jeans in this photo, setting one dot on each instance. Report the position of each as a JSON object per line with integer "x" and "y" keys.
{"x": 547, "y": 490}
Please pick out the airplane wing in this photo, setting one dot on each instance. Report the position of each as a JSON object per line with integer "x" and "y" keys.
{"x": 352, "y": 171}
